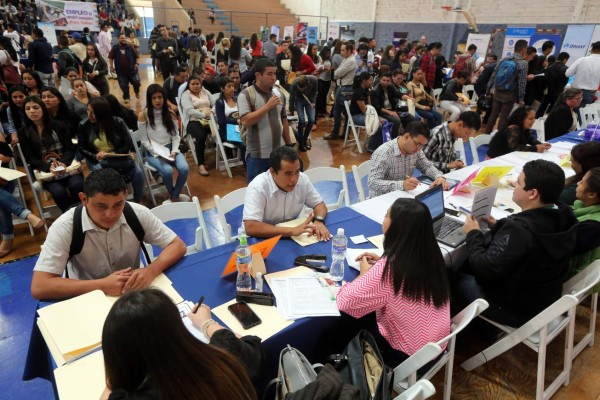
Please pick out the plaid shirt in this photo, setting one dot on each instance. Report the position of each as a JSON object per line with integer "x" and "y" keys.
{"x": 440, "y": 148}
{"x": 428, "y": 66}
{"x": 389, "y": 167}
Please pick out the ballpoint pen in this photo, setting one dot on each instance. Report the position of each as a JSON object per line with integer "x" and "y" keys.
{"x": 199, "y": 304}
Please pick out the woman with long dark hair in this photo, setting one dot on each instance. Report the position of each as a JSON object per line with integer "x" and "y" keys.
{"x": 57, "y": 108}
{"x": 150, "y": 354}
{"x": 584, "y": 157}
{"x": 125, "y": 113}
{"x": 105, "y": 142}
{"x": 302, "y": 63}
{"x": 226, "y": 111}
{"x": 517, "y": 136}
{"x": 562, "y": 118}
{"x": 157, "y": 126}
{"x": 407, "y": 287}
{"x": 239, "y": 55}
{"x": 32, "y": 82}
{"x": 324, "y": 82}
{"x": 78, "y": 104}
{"x": 48, "y": 148}
{"x": 388, "y": 55}
{"x": 256, "y": 46}
{"x": 424, "y": 102}
{"x": 16, "y": 111}
{"x": 96, "y": 69}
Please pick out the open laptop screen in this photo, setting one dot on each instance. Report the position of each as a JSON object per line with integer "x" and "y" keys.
{"x": 434, "y": 200}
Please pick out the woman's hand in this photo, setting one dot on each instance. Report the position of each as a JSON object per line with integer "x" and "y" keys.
{"x": 365, "y": 265}
{"x": 368, "y": 257}
{"x": 100, "y": 155}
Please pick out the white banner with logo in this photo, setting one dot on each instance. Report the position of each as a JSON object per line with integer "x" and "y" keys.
{"x": 333, "y": 30}
{"x": 68, "y": 15}
{"x": 577, "y": 41}
{"x": 288, "y": 31}
{"x": 481, "y": 40}
{"x": 513, "y": 34}
{"x": 49, "y": 32}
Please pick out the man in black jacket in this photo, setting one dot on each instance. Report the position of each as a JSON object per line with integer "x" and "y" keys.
{"x": 556, "y": 80}
{"x": 520, "y": 268}
{"x": 40, "y": 57}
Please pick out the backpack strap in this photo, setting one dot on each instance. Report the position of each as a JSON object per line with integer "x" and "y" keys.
{"x": 252, "y": 96}
{"x": 136, "y": 227}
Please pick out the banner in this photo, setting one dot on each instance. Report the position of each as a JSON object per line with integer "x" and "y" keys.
{"x": 333, "y": 30}
{"x": 481, "y": 40}
{"x": 514, "y": 33}
{"x": 68, "y": 15}
{"x": 263, "y": 35}
{"x": 49, "y": 32}
{"x": 539, "y": 39}
{"x": 312, "y": 34}
{"x": 397, "y": 36}
{"x": 595, "y": 38}
{"x": 577, "y": 41}
{"x": 301, "y": 32}
{"x": 275, "y": 31}
{"x": 288, "y": 31}
{"x": 347, "y": 34}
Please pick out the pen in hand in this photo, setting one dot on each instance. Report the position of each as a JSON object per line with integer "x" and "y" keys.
{"x": 199, "y": 304}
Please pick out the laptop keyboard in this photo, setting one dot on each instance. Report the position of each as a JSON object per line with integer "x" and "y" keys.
{"x": 448, "y": 225}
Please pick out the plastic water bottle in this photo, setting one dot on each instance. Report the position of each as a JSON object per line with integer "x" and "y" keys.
{"x": 243, "y": 261}
{"x": 339, "y": 244}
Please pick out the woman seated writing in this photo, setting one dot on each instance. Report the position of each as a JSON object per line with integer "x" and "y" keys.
{"x": 150, "y": 354}
{"x": 47, "y": 147}
{"x": 157, "y": 127}
{"x": 517, "y": 136}
{"x": 105, "y": 142}
{"x": 226, "y": 110}
{"x": 407, "y": 287}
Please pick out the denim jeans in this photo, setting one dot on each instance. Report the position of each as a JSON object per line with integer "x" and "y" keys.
{"x": 135, "y": 176}
{"x": 125, "y": 80}
{"x": 304, "y": 125}
{"x": 9, "y": 205}
{"x": 433, "y": 118}
{"x": 166, "y": 170}
{"x": 256, "y": 166}
{"x": 338, "y": 109}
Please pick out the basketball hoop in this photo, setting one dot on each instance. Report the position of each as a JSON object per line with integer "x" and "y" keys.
{"x": 447, "y": 8}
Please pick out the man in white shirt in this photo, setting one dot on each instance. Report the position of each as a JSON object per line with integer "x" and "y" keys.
{"x": 109, "y": 258}
{"x": 587, "y": 74}
{"x": 279, "y": 195}
{"x": 13, "y": 35}
{"x": 105, "y": 45}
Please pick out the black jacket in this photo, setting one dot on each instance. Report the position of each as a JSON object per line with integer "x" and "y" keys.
{"x": 482, "y": 82}
{"x": 87, "y": 133}
{"x": 32, "y": 151}
{"x": 523, "y": 267}
{"x": 556, "y": 80}
{"x": 40, "y": 56}
{"x": 450, "y": 89}
{"x": 559, "y": 121}
{"x": 378, "y": 97}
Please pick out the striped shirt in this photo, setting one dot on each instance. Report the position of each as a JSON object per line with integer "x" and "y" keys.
{"x": 440, "y": 148}
{"x": 406, "y": 325}
{"x": 389, "y": 167}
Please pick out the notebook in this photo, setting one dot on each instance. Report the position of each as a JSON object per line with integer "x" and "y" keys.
{"x": 447, "y": 230}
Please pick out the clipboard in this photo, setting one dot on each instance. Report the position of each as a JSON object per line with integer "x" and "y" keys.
{"x": 264, "y": 248}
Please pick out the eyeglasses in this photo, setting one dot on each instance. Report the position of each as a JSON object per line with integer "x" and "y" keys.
{"x": 577, "y": 98}
{"x": 418, "y": 144}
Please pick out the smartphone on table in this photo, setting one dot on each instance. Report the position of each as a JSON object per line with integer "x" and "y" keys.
{"x": 244, "y": 314}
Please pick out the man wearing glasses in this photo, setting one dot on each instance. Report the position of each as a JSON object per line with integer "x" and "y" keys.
{"x": 393, "y": 162}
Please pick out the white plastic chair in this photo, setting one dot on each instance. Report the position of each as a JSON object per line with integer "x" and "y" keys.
{"x": 184, "y": 135}
{"x": 411, "y": 107}
{"x": 226, "y": 204}
{"x": 588, "y": 114}
{"x": 436, "y": 94}
{"x": 359, "y": 173}
{"x": 355, "y": 129}
{"x": 477, "y": 141}
{"x": 459, "y": 147}
{"x": 473, "y": 96}
{"x": 19, "y": 194}
{"x": 536, "y": 334}
{"x": 579, "y": 286}
{"x": 421, "y": 390}
{"x": 221, "y": 160}
{"x": 405, "y": 374}
{"x": 538, "y": 125}
{"x": 183, "y": 210}
{"x": 147, "y": 170}
{"x": 331, "y": 174}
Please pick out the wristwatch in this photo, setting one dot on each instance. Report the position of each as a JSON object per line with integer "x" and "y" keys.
{"x": 319, "y": 219}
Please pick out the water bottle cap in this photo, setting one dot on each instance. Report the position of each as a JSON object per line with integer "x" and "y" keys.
{"x": 340, "y": 231}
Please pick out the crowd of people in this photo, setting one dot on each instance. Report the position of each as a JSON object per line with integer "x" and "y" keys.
{"x": 251, "y": 88}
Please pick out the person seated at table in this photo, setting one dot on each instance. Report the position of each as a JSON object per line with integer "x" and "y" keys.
{"x": 587, "y": 212}
{"x": 519, "y": 268}
{"x": 517, "y": 136}
{"x": 407, "y": 287}
{"x": 584, "y": 157}
{"x": 450, "y": 99}
{"x": 563, "y": 119}
{"x": 110, "y": 257}
{"x": 149, "y": 354}
{"x": 392, "y": 164}
{"x": 440, "y": 148}
{"x": 279, "y": 195}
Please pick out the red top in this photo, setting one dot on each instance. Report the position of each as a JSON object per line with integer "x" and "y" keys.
{"x": 428, "y": 67}
{"x": 306, "y": 64}
{"x": 257, "y": 51}
{"x": 406, "y": 325}
{"x": 210, "y": 45}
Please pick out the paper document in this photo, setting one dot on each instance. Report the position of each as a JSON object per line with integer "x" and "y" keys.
{"x": 303, "y": 240}
{"x": 289, "y": 273}
{"x": 10, "y": 174}
{"x": 358, "y": 239}
{"x": 351, "y": 255}
{"x": 272, "y": 321}
{"x": 377, "y": 241}
{"x": 482, "y": 204}
{"x": 83, "y": 379}
{"x": 161, "y": 150}
{"x": 304, "y": 297}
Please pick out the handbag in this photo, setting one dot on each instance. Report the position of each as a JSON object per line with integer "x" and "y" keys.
{"x": 184, "y": 147}
{"x": 123, "y": 165}
{"x": 10, "y": 73}
{"x": 295, "y": 372}
{"x": 233, "y": 133}
{"x": 361, "y": 365}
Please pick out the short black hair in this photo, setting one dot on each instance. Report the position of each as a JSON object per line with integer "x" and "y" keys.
{"x": 362, "y": 46}
{"x": 179, "y": 69}
{"x": 471, "y": 47}
{"x": 551, "y": 59}
{"x": 531, "y": 50}
{"x": 262, "y": 64}
{"x": 38, "y": 32}
{"x": 563, "y": 55}
{"x": 385, "y": 75}
{"x": 462, "y": 75}
{"x": 495, "y": 57}
{"x": 284, "y": 153}
{"x": 548, "y": 44}
{"x": 434, "y": 45}
{"x": 349, "y": 46}
{"x": 272, "y": 35}
{"x": 596, "y": 46}
{"x": 398, "y": 72}
{"x": 546, "y": 177}
{"x": 520, "y": 45}
{"x": 470, "y": 119}
{"x": 417, "y": 128}
{"x": 105, "y": 181}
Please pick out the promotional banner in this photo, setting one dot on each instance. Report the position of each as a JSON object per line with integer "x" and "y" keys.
{"x": 333, "y": 30}
{"x": 68, "y": 15}
{"x": 481, "y": 40}
{"x": 288, "y": 31}
{"x": 577, "y": 41}
{"x": 275, "y": 31}
{"x": 595, "y": 38}
{"x": 514, "y": 33}
{"x": 301, "y": 32}
{"x": 539, "y": 39}
{"x": 397, "y": 36}
{"x": 347, "y": 34}
{"x": 312, "y": 34}
{"x": 49, "y": 32}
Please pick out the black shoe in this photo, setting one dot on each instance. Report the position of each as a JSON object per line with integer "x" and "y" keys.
{"x": 307, "y": 146}
{"x": 331, "y": 137}
{"x": 302, "y": 149}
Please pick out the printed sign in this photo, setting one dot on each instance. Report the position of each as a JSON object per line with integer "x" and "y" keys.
{"x": 539, "y": 39}
{"x": 514, "y": 33}
{"x": 333, "y": 30}
{"x": 301, "y": 32}
{"x": 577, "y": 41}
{"x": 481, "y": 40}
{"x": 68, "y": 15}
{"x": 313, "y": 34}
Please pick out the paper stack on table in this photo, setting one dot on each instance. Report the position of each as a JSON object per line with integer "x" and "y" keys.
{"x": 303, "y": 240}
{"x": 301, "y": 297}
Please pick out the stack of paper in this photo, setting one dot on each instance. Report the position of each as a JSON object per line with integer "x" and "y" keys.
{"x": 301, "y": 297}
{"x": 84, "y": 379}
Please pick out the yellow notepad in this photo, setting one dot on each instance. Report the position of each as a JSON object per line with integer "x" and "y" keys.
{"x": 491, "y": 175}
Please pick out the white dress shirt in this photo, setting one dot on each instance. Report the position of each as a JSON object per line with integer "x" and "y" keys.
{"x": 586, "y": 71}
{"x": 265, "y": 202}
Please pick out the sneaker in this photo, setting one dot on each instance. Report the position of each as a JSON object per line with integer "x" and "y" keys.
{"x": 184, "y": 197}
